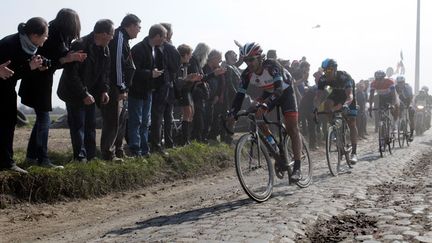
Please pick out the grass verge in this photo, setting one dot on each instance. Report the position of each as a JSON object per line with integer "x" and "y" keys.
{"x": 98, "y": 177}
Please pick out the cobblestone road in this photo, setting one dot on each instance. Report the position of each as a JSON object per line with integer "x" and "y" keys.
{"x": 376, "y": 187}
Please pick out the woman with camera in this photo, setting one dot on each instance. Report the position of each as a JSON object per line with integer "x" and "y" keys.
{"x": 18, "y": 53}
{"x": 35, "y": 90}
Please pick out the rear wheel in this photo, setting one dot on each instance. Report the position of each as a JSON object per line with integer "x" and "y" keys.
{"x": 333, "y": 152}
{"x": 306, "y": 163}
{"x": 254, "y": 168}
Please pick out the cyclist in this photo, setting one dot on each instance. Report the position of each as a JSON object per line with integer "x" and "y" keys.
{"x": 385, "y": 88}
{"x": 423, "y": 98}
{"x": 277, "y": 89}
{"x": 342, "y": 96}
{"x": 405, "y": 94}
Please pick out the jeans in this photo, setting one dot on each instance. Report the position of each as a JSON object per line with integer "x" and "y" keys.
{"x": 82, "y": 125}
{"x": 37, "y": 147}
{"x": 138, "y": 124}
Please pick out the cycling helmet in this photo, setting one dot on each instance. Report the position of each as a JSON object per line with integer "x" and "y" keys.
{"x": 251, "y": 50}
{"x": 425, "y": 89}
{"x": 327, "y": 63}
{"x": 380, "y": 74}
{"x": 400, "y": 79}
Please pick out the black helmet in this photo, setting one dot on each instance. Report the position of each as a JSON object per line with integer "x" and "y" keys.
{"x": 380, "y": 74}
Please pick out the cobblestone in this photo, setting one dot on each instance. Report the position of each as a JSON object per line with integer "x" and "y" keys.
{"x": 401, "y": 214}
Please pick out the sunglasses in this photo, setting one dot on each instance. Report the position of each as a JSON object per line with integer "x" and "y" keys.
{"x": 329, "y": 70}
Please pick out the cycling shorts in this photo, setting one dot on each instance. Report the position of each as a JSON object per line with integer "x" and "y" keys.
{"x": 287, "y": 101}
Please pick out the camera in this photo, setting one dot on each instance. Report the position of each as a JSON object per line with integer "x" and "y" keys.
{"x": 46, "y": 62}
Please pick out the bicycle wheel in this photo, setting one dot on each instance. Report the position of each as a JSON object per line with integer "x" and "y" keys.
{"x": 381, "y": 138}
{"x": 401, "y": 133}
{"x": 333, "y": 152}
{"x": 389, "y": 136}
{"x": 347, "y": 144}
{"x": 407, "y": 134}
{"x": 306, "y": 163}
{"x": 254, "y": 168}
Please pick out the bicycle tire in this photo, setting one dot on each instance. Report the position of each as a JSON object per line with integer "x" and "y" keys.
{"x": 401, "y": 133}
{"x": 381, "y": 139}
{"x": 407, "y": 134}
{"x": 257, "y": 178}
{"x": 306, "y": 163}
{"x": 332, "y": 149}
{"x": 347, "y": 147}
{"x": 389, "y": 133}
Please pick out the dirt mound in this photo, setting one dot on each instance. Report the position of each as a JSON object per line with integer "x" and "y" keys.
{"x": 339, "y": 228}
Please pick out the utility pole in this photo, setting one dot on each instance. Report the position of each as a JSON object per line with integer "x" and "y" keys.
{"x": 417, "y": 57}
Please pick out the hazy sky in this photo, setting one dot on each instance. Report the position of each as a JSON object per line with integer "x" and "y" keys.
{"x": 362, "y": 35}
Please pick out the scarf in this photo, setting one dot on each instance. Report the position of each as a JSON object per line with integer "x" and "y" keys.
{"x": 27, "y": 46}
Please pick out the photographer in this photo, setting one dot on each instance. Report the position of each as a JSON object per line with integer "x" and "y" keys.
{"x": 18, "y": 58}
{"x": 35, "y": 90}
{"x": 85, "y": 84}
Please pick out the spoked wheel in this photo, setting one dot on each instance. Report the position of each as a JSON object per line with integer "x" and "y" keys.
{"x": 306, "y": 163}
{"x": 401, "y": 135}
{"x": 407, "y": 134}
{"x": 389, "y": 137}
{"x": 254, "y": 168}
{"x": 381, "y": 139}
{"x": 348, "y": 148}
{"x": 333, "y": 152}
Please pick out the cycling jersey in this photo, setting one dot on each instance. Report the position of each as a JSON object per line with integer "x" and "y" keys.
{"x": 405, "y": 93}
{"x": 275, "y": 84}
{"x": 384, "y": 89}
{"x": 338, "y": 87}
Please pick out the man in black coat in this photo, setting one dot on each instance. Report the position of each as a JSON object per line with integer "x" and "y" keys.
{"x": 148, "y": 76}
{"x": 163, "y": 95}
{"x": 82, "y": 85}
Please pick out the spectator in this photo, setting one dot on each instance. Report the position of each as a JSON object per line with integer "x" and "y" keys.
{"x": 184, "y": 85}
{"x": 149, "y": 69}
{"x": 200, "y": 92}
{"x": 122, "y": 71}
{"x": 232, "y": 75}
{"x": 85, "y": 84}
{"x": 216, "y": 104}
{"x": 164, "y": 97}
{"x": 271, "y": 54}
{"x": 18, "y": 58}
{"x": 35, "y": 89}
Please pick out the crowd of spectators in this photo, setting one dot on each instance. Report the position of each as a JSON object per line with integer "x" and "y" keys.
{"x": 138, "y": 89}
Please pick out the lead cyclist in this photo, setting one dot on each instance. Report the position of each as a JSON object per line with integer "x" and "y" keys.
{"x": 276, "y": 85}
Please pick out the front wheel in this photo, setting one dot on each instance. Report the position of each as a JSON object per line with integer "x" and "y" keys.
{"x": 401, "y": 133}
{"x": 254, "y": 167}
{"x": 306, "y": 163}
{"x": 382, "y": 138}
{"x": 333, "y": 152}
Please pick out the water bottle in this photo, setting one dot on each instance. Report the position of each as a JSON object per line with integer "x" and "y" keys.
{"x": 272, "y": 142}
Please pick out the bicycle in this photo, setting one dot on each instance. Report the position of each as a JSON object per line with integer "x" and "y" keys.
{"x": 386, "y": 137}
{"x": 255, "y": 168}
{"x": 337, "y": 145}
{"x": 403, "y": 133}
